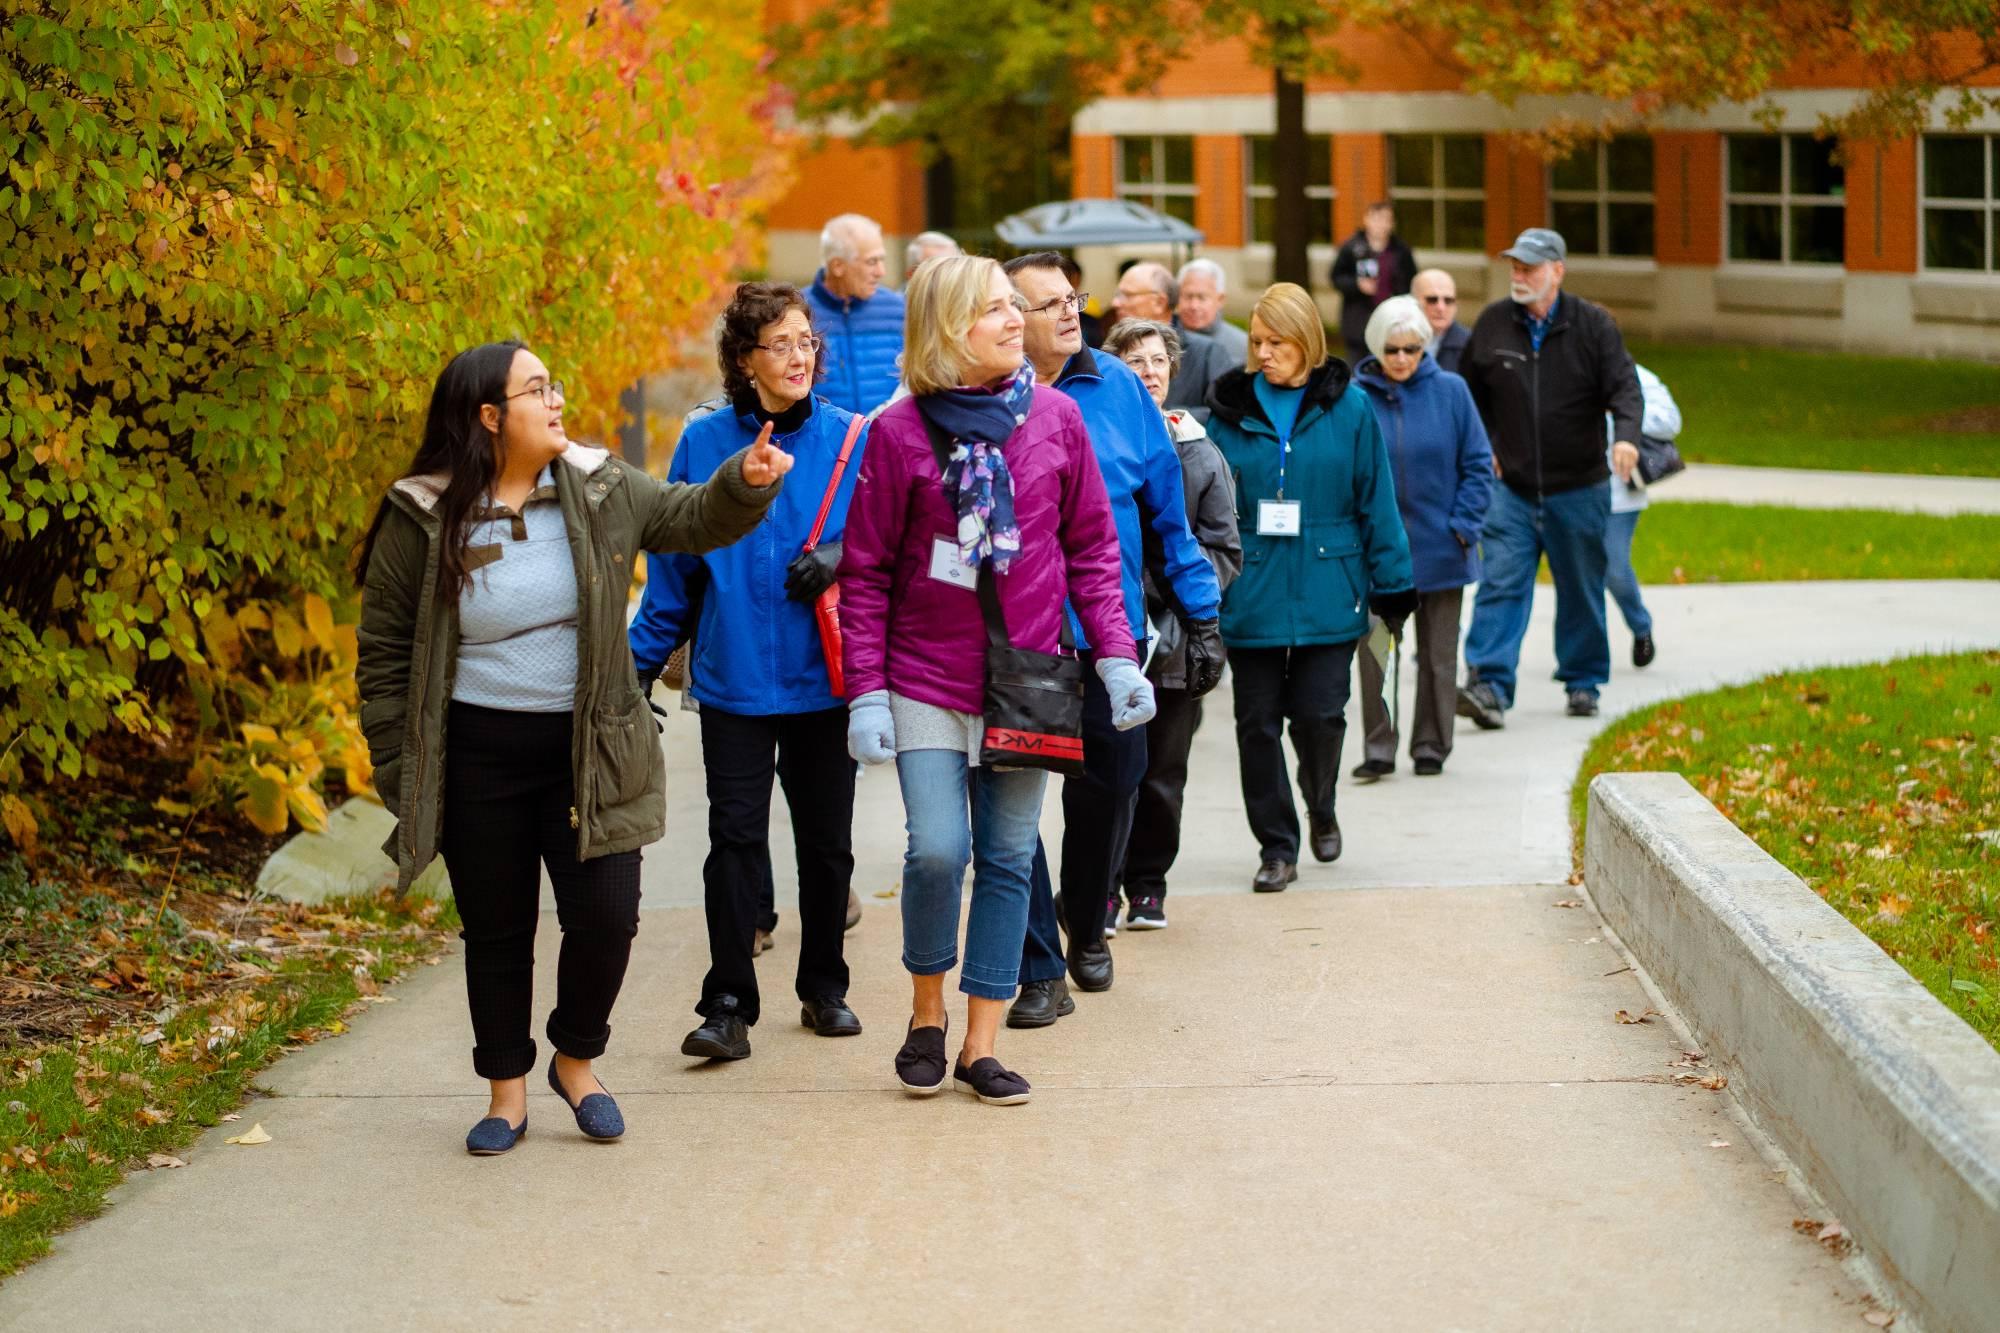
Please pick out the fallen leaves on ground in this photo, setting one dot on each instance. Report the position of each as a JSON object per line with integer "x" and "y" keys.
{"x": 1880, "y": 1318}
{"x": 1831, "y": 1236}
{"x": 1645, "y": 1016}
{"x": 251, "y": 1137}
{"x": 161, "y": 1159}
{"x": 1569, "y": 902}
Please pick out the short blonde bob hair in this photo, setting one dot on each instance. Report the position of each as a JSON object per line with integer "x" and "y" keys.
{"x": 1289, "y": 311}
{"x": 943, "y": 300}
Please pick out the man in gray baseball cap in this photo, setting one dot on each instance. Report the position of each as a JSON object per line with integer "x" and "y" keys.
{"x": 1545, "y": 369}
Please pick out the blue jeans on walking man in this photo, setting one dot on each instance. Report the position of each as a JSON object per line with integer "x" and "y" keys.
{"x": 1569, "y": 528}
{"x": 955, "y": 814}
{"x": 1620, "y": 580}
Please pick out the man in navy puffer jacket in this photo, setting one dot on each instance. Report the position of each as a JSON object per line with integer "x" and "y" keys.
{"x": 861, "y": 320}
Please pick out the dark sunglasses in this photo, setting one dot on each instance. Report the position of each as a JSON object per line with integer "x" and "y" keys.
{"x": 1440, "y": 300}
{"x": 1414, "y": 350}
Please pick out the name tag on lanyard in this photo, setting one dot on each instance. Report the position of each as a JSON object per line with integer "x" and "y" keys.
{"x": 1279, "y": 517}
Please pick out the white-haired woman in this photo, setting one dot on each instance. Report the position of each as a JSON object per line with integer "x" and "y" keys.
{"x": 1153, "y": 350}
{"x": 1019, "y": 500}
{"x": 1444, "y": 474}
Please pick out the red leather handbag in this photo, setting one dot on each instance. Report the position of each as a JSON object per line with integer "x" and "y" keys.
{"x": 826, "y": 607}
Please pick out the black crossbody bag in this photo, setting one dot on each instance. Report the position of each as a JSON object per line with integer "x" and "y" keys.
{"x": 1033, "y": 701}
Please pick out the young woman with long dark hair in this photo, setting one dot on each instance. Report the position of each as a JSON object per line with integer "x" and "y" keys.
{"x": 502, "y": 711}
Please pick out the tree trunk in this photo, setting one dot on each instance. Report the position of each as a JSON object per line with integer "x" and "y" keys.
{"x": 1289, "y": 159}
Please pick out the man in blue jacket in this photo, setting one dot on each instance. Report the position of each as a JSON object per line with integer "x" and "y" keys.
{"x": 1142, "y": 473}
{"x": 861, "y": 320}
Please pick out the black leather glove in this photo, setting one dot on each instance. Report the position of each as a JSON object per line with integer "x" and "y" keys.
{"x": 646, "y": 692}
{"x": 1394, "y": 608}
{"x": 1204, "y": 655}
{"x": 812, "y": 573}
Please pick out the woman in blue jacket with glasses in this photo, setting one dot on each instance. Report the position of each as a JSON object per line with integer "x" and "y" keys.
{"x": 768, "y": 706}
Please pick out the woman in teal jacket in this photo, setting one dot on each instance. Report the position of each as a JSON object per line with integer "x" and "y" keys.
{"x": 1323, "y": 544}
{"x": 768, "y": 708}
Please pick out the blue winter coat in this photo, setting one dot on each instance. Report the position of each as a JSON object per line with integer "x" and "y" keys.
{"x": 1443, "y": 467}
{"x": 1142, "y": 472}
{"x": 756, "y": 652}
{"x": 1312, "y": 588}
{"x": 863, "y": 341}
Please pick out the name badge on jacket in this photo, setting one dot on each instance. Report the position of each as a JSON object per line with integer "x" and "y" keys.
{"x": 1278, "y": 518}
{"x": 946, "y": 567}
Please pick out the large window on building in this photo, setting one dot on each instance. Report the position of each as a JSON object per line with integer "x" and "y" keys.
{"x": 1157, "y": 170}
{"x": 1438, "y": 184}
{"x": 1601, "y": 198}
{"x": 1961, "y": 176}
{"x": 1260, "y": 189}
{"x": 1786, "y": 199}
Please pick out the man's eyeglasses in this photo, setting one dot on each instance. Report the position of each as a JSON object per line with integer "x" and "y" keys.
{"x": 1415, "y": 349}
{"x": 1054, "y": 309}
{"x": 784, "y": 347}
{"x": 550, "y": 393}
{"x": 1440, "y": 300}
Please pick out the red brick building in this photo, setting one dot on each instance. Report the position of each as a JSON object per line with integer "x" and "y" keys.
{"x": 1709, "y": 226}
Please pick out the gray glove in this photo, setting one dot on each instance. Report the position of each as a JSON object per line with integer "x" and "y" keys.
{"x": 1131, "y": 693}
{"x": 871, "y": 728}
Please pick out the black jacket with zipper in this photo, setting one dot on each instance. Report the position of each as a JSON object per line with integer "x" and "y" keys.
{"x": 1544, "y": 411}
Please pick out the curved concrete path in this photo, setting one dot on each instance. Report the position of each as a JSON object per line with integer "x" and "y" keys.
{"x": 1802, "y": 488}
{"x": 1386, "y": 1107}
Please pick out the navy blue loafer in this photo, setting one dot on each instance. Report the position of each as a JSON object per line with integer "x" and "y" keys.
{"x": 493, "y": 1136}
{"x": 596, "y": 1115}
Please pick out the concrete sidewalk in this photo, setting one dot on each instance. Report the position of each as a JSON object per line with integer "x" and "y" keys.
{"x": 1803, "y": 488}
{"x": 1387, "y": 1107}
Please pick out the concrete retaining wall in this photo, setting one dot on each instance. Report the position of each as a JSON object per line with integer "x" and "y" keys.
{"x": 1886, "y": 1101}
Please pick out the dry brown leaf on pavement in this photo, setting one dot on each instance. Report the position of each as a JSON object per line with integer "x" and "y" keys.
{"x": 160, "y": 1159}
{"x": 1644, "y": 1016}
{"x": 1880, "y": 1318}
{"x": 232, "y": 1116}
{"x": 251, "y": 1137}
{"x": 1569, "y": 902}
{"x": 1715, "y": 1082}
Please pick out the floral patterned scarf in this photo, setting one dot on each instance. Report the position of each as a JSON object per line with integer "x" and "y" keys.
{"x": 977, "y": 484}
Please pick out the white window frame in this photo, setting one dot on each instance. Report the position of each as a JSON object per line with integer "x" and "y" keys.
{"x": 1603, "y": 196}
{"x": 1986, "y": 207}
{"x": 1435, "y": 197}
{"x": 1324, "y": 194}
{"x": 1150, "y": 193}
{"x": 1785, "y": 199}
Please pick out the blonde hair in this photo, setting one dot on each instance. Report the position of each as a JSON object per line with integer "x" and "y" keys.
{"x": 942, "y": 302}
{"x": 1398, "y": 314}
{"x": 1289, "y": 311}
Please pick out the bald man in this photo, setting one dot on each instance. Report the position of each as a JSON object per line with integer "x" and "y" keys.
{"x": 1437, "y": 293}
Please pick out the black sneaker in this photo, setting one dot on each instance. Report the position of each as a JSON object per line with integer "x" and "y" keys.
{"x": 1147, "y": 913}
{"x": 1481, "y": 703}
{"x": 723, "y": 1035}
{"x": 1582, "y": 703}
{"x": 1643, "y": 650}
{"x": 1372, "y": 770}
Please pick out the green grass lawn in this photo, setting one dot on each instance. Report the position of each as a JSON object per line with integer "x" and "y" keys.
{"x": 1879, "y": 786}
{"x": 1779, "y": 407}
{"x": 1721, "y": 543}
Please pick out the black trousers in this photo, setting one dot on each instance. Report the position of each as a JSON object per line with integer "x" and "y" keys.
{"x": 508, "y": 789}
{"x": 1306, "y": 687}
{"x": 807, "y": 753}
{"x": 1097, "y": 827}
{"x": 1156, "y": 819}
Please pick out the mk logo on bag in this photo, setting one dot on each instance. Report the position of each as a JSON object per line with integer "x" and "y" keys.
{"x": 1035, "y": 743}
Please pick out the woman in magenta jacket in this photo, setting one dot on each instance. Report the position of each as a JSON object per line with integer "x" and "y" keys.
{"x": 1022, "y": 496}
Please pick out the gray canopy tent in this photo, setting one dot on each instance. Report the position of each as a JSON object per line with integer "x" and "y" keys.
{"x": 1070, "y": 223}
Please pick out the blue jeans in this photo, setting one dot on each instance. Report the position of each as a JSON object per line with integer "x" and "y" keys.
{"x": 1569, "y": 528}
{"x": 1619, "y": 579}
{"x": 998, "y": 839}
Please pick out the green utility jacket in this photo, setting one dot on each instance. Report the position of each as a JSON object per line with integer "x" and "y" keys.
{"x": 409, "y": 646}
